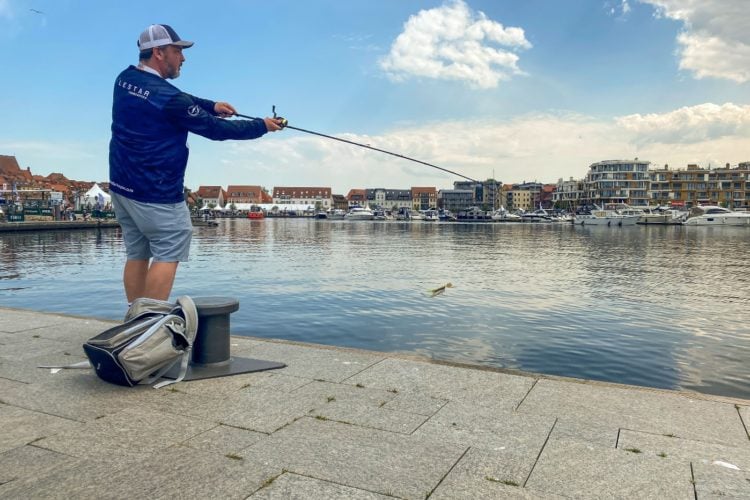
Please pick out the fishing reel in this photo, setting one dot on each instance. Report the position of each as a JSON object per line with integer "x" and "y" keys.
{"x": 284, "y": 122}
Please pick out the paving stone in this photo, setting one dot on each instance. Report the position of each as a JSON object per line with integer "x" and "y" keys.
{"x": 332, "y": 365}
{"x": 369, "y": 416}
{"x": 133, "y": 433}
{"x": 490, "y": 430}
{"x": 601, "y": 435}
{"x": 31, "y": 461}
{"x": 16, "y": 320}
{"x": 686, "y": 450}
{"x": 175, "y": 472}
{"x": 21, "y": 426}
{"x": 27, "y": 370}
{"x": 657, "y": 412}
{"x": 712, "y": 481}
{"x": 76, "y": 394}
{"x": 582, "y": 470}
{"x": 295, "y": 487}
{"x": 224, "y": 439}
{"x": 482, "y": 474}
{"x": 416, "y": 403}
{"x": 324, "y": 392}
{"x": 382, "y": 462}
{"x": 258, "y": 409}
{"x": 34, "y": 347}
{"x": 745, "y": 415}
{"x": 483, "y": 388}
{"x": 227, "y": 385}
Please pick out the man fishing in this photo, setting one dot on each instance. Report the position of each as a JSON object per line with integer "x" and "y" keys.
{"x": 148, "y": 156}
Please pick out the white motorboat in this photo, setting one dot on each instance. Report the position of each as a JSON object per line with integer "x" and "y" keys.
{"x": 359, "y": 213}
{"x": 712, "y": 215}
{"x": 605, "y": 217}
{"x": 661, "y": 216}
{"x": 430, "y": 215}
{"x": 502, "y": 215}
{"x": 538, "y": 215}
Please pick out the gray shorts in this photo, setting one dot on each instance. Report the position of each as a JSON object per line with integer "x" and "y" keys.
{"x": 161, "y": 231}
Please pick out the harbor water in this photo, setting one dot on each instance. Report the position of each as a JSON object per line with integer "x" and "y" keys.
{"x": 658, "y": 306}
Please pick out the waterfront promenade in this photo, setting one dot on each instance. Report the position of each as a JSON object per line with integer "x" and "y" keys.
{"x": 343, "y": 423}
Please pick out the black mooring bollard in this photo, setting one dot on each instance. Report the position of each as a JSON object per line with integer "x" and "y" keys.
{"x": 212, "y": 341}
{"x": 211, "y": 350}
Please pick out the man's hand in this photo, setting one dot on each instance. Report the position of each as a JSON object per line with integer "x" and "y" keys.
{"x": 224, "y": 109}
{"x": 274, "y": 124}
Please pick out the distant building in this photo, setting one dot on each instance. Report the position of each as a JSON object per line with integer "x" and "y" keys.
{"x": 525, "y": 196}
{"x": 617, "y": 181}
{"x": 211, "y": 195}
{"x": 456, "y": 200}
{"x": 389, "y": 199}
{"x": 244, "y": 194}
{"x": 357, "y": 197}
{"x": 318, "y": 197}
{"x": 340, "y": 202}
{"x": 694, "y": 185}
{"x": 423, "y": 198}
{"x": 568, "y": 194}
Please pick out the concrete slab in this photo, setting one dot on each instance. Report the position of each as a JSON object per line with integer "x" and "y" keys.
{"x": 713, "y": 481}
{"x": 290, "y": 486}
{"x": 224, "y": 440}
{"x": 76, "y": 394}
{"x": 515, "y": 440}
{"x": 227, "y": 385}
{"x": 601, "y": 435}
{"x": 368, "y": 416}
{"x": 482, "y": 474}
{"x": 745, "y": 415}
{"x": 132, "y": 433}
{"x": 27, "y": 370}
{"x": 258, "y": 409}
{"x": 333, "y": 365}
{"x": 686, "y": 450}
{"x": 416, "y": 403}
{"x": 483, "y": 388}
{"x": 657, "y": 412}
{"x": 31, "y": 461}
{"x": 581, "y": 470}
{"x": 377, "y": 461}
{"x": 327, "y": 392}
{"x": 16, "y": 320}
{"x": 175, "y": 472}
{"x": 20, "y": 426}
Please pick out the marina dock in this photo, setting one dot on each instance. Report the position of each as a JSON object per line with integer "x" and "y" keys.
{"x": 345, "y": 423}
{"x": 58, "y": 225}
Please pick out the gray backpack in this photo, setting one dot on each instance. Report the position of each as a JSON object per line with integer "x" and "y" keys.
{"x": 155, "y": 336}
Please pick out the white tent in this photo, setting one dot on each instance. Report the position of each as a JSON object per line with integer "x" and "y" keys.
{"x": 93, "y": 196}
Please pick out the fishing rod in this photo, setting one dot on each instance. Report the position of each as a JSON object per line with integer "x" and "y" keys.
{"x": 285, "y": 124}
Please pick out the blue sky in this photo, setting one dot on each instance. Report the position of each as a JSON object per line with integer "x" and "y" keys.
{"x": 533, "y": 90}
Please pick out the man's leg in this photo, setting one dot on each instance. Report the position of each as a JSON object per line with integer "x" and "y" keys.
{"x": 134, "y": 278}
{"x": 160, "y": 279}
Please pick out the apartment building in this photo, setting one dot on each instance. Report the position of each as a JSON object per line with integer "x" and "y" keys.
{"x": 389, "y": 199}
{"x": 617, "y": 181}
{"x": 728, "y": 186}
{"x": 246, "y": 194}
{"x": 568, "y": 194}
{"x": 357, "y": 197}
{"x": 212, "y": 196}
{"x": 319, "y": 197}
{"x": 456, "y": 200}
{"x": 423, "y": 198}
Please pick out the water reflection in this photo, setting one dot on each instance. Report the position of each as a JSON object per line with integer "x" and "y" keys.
{"x": 656, "y": 306}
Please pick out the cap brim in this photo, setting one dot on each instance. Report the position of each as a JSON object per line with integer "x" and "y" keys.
{"x": 183, "y": 43}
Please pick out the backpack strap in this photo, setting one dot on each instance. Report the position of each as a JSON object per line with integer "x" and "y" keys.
{"x": 186, "y": 306}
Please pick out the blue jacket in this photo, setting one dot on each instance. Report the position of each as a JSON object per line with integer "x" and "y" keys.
{"x": 151, "y": 119}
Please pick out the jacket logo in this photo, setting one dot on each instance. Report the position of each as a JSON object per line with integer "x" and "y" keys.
{"x": 194, "y": 110}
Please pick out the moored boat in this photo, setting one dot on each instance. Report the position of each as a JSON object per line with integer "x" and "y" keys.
{"x": 604, "y": 217}
{"x": 712, "y": 215}
{"x": 359, "y": 213}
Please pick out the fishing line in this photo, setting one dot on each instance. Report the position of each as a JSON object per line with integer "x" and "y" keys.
{"x": 285, "y": 124}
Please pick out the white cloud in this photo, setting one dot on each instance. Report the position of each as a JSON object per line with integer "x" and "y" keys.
{"x": 542, "y": 147}
{"x": 452, "y": 42}
{"x": 704, "y": 122}
{"x": 715, "y": 41}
